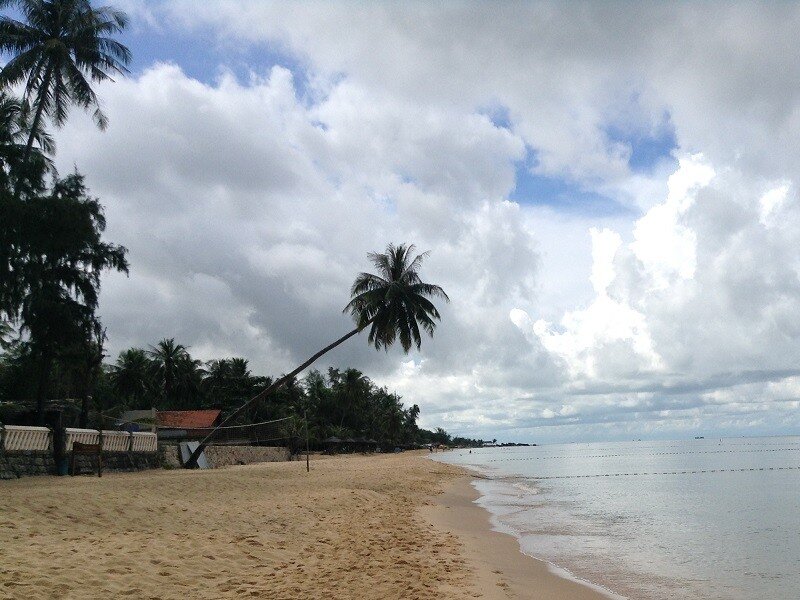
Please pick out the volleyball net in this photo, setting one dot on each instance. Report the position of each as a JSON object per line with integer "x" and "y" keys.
{"x": 265, "y": 433}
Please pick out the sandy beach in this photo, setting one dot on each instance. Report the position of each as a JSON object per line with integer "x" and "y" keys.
{"x": 387, "y": 527}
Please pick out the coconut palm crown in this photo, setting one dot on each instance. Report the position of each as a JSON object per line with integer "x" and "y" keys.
{"x": 59, "y": 48}
{"x": 394, "y": 303}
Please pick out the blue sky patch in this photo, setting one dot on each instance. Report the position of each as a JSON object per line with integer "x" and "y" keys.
{"x": 648, "y": 149}
{"x": 560, "y": 193}
{"x": 202, "y": 55}
{"x": 498, "y": 115}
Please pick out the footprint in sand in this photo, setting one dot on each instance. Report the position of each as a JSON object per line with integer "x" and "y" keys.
{"x": 130, "y": 592}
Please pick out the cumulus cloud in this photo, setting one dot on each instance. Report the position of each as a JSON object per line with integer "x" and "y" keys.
{"x": 248, "y": 213}
{"x": 248, "y": 203}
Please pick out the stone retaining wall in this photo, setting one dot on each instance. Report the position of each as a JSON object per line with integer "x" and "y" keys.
{"x": 223, "y": 456}
{"x": 27, "y": 450}
{"x": 27, "y": 462}
{"x": 170, "y": 456}
{"x": 119, "y": 461}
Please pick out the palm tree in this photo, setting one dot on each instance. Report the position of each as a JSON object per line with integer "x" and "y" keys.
{"x": 189, "y": 374}
{"x": 217, "y": 376}
{"x": 227, "y": 382}
{"x": 166, "y": 357}
{"x": 132, "y": 376}
{"x": 352, "y": 386}
{"x": 60, "y": 48}
{"x": 393, "y": 304}
{"x": 15, "y": 129}
{"x": 239, "y": 369}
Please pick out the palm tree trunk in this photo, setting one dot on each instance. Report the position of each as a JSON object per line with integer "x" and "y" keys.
{"x": 37, "y": 119}
{"x": 192, "y": 462}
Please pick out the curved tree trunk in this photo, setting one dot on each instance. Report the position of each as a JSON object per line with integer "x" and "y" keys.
{"x": 192, "y": 462}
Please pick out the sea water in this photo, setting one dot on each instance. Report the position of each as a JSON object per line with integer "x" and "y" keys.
{"x": 701, "y": 519}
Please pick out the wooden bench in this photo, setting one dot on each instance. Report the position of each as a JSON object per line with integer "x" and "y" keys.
{"x": 79, "y": 449}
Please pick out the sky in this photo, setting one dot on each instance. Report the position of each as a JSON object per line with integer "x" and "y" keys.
{"x": 607, "y": 191}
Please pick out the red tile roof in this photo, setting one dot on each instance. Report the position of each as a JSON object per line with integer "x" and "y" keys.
{"x": 187, "y": 419}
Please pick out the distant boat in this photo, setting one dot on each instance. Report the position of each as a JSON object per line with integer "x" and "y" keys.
{"x": 699, "y": 437}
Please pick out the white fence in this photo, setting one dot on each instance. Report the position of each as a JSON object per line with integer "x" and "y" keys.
{"x": 20, "y": 438}
{"x": 17, "y": 437}
{"x": 116, "y": 441}
{"x": 82, "y": 436}
{"x": 144, "y": 442}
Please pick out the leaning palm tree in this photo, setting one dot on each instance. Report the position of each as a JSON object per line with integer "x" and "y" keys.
{"x": 59, "y": 48}
{"x": 394, "y": 304}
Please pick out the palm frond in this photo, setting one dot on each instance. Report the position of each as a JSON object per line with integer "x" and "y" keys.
{"x": 395, "y": 303}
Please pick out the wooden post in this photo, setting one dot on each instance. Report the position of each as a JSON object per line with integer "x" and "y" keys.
{"x": 59, "y": 441}
{"x": 100, "y": 448}
{"x": 100, "y": 451}
{"x": 130, "y": 450}
{"x": 308, "y": 465}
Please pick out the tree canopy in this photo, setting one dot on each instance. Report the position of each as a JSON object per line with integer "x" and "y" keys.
{"x": 58, "y": 50}
{"x": 52, "y": 251}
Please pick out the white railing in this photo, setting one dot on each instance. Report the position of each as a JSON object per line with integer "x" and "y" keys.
{"x": 144, "y": 442}
{"x": 18, "y": 437}
{"x": 83, "y": 436}
{"x": 116, "y": 441}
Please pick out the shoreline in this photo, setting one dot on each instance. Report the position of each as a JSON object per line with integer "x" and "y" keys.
{"x": 501, "y": 569}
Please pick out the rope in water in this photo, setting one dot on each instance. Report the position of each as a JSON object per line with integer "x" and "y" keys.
{"x": 525, "y": 458}
{"x": 697, "y": 472}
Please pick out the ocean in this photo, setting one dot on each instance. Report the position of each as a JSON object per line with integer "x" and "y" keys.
{"x": 667, "y": 520}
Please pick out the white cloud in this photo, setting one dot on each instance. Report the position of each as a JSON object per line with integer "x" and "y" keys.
{"x": 249, "y": 207}
{"x": 664, "y": 248}
{"x": 772, "y": 201}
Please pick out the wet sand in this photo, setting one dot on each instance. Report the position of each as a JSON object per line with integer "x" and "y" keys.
{"x": 500, "y": 569}
{"x": 383, "y": 527}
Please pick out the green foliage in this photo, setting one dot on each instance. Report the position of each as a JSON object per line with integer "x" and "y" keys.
{"x": 51, "y": 249}
{"x": 57, "y": 51}
{"x": 131, "y": 378}
{"x": 15, "y": 128}
{"x": 344, "y": 404}
{"x": 55, "y": 256}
